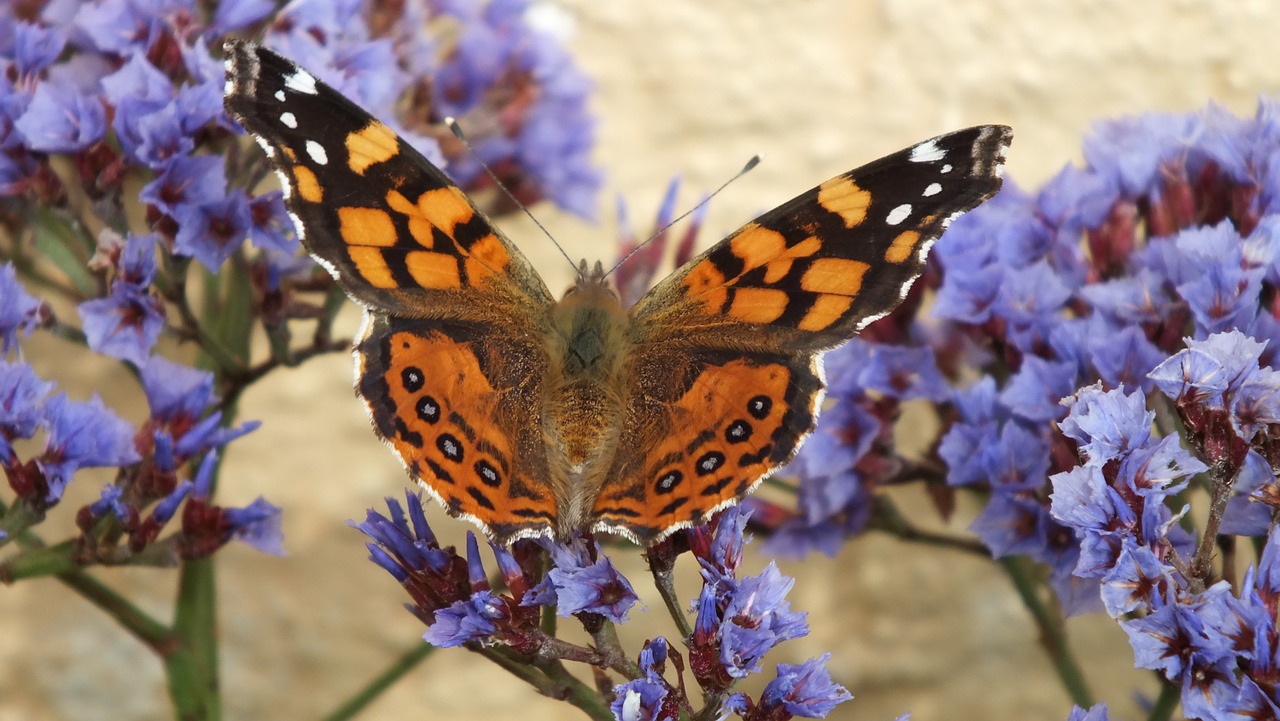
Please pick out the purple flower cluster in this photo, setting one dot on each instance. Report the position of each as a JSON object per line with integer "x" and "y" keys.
{"x": 1124, "y": 503}
{"x": 738, "y": 620}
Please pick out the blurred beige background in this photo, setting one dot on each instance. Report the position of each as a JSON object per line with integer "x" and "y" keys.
{"x": 690, "y": 88}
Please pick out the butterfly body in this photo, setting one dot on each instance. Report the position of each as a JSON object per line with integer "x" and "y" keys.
{"x": 537, "y": 417}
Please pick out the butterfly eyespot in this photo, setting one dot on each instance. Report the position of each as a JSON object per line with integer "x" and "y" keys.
{"x": 709, "y": 462}
{"x": 738, "y": 431}
{"x": 668, "y": 482}
{"x": 428, "y": 409}
{"x": 450, "y": 447}
{"x": 488, "y": 474}
{"x": 412, "y": 379}
{"x": 759, "y": 407}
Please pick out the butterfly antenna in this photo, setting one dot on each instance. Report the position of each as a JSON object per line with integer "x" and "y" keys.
{"x": 753, "y": 162}
{"x": 457, "y": 131}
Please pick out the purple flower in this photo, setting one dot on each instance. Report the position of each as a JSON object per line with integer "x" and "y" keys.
{"x": 22, "y": 395}
{"x": 1131, "y": 149}
{"x": 258, "y": 526}
{"x": 270, "y": 228}
{"x": 640, "y": 700}
{"x": 1097, "y": 712}
{"x": 109, "y": 501}
{"x": 177, "y": 394}
{"x": 168, "y": 505}
{"x": 187, "y": 181}
{"x": 61, "y": 119}
{"x": 404, "y": 544}
{"x": 125, "y": 324}
{"x": 19, "y": 311}
{"x": 1139, "y": 580}
{"x": 1030, "y": 300}
{"x": 584, "y": 580}
{"x": 650, "y": 697}
{"x": 82, "y": 435}
{"x": 1035, "y": 392}
{"x": 180, "y": 399}
{"x": 720, "y": 557}
{"x": 804, "y": 690}
{"x": 755, "y": 619}
{"x": 34, "y": 49}
{"x": 210, "y": 232}
{"x": 1107, "y": 424}
{"x": 465, "y": 621}
{"x": 236, "y": 14}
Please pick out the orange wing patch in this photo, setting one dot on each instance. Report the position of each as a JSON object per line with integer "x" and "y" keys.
{"x": 845, "y": 198}
{"x": 374, "y": 143}
{"x": 902, "y": 247}
{"x": 445, "y": 430}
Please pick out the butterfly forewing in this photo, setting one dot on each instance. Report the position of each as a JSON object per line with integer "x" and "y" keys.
{"x": 819, "y": 267}
{"x": 392, "y": 228}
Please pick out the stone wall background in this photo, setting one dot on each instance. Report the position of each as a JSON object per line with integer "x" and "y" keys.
{"x": 693, "y": 89}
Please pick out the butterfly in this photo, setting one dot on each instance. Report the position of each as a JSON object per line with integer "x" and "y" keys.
{"x": 532, "y": 416}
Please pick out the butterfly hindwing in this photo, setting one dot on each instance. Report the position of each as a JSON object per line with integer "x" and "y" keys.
{"x": 703, "y": 433}
{"x": 798, "y": 280}
{"x": 457, "y": 407}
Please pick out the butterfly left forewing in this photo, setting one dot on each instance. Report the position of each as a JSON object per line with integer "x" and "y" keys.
{"x": 745, "y": 324}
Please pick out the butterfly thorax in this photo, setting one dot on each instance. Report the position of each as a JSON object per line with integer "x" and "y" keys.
{"x": 583, "y": 404}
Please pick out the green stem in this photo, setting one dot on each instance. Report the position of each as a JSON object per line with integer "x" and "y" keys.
{"x": 886, "y": 517}
{"x": 151, "y": 632}
{"x": 567, "y": 687}
{"x": 39, "y": 561}
{"x": 664, "y": 580}
{"x": 1052, "y": 633}
{"x": 383, "y": 681}
{"x": 193, "y": 670}
{"x": 553, "y": 681}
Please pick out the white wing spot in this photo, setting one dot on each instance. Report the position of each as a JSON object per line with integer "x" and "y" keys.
{"x": 292, "y": 122}
{"x": 267, "y": 150}
{"x": 286, "y": 188}
{"x": 316, "y": 151}
{"x": 898, "y": 214}
{"x": 229, "y": 88}
{"x": 946, "y": 168}
{"x": 301, "y": 231}
{"x": 301, "y": 81}
{"x": 280, "y": 95}
{"x": 333, "y": 271}
{"x": 932, "y": 190}
{"x": 927, "y": 152}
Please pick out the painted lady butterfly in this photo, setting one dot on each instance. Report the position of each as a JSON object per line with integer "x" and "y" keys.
{"x": 532, "y": 416}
